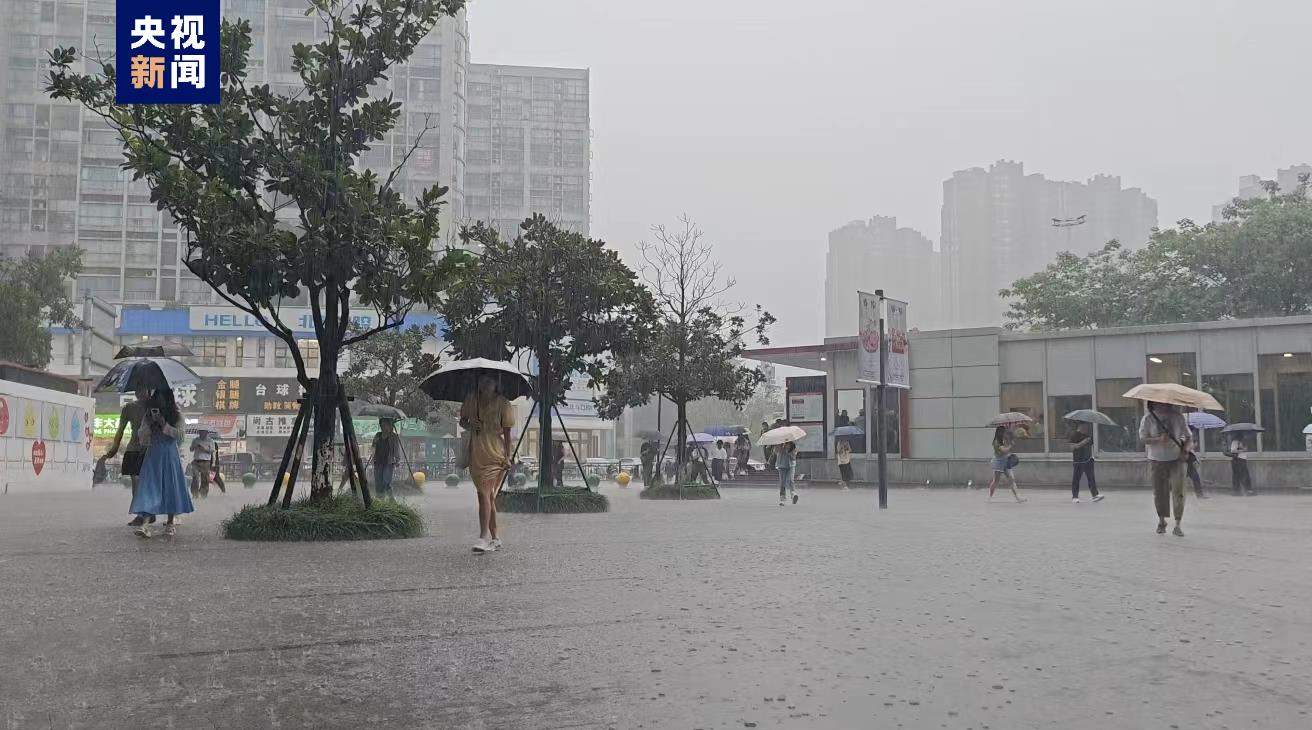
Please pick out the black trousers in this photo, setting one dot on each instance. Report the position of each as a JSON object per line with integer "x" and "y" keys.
{"x": 1191, "y": 470}
{"x": 1085, "y": 468}
{"x": 1240, "y": 480}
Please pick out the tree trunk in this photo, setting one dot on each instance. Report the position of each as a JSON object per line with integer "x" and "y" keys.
{"x": 682, "y": 449}
{"x": 546, "y": 454}
{"x": 326, "y": 395}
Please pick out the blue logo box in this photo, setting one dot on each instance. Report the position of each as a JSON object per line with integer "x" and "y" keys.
{"x": 167, "y": 52}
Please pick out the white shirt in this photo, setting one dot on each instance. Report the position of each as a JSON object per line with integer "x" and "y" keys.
{"x": 718, "y": 453}
{"x": 1237, "y": 448}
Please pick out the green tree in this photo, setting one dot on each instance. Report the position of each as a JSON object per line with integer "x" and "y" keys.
{"x": 555, "y": 297}
{"x": 269, "y": 189}
{"x": 1256, "y": 262}
{"x": 696, "y": 343}
{"x": 34, "y": 297}
{"x": 387, "y": 369}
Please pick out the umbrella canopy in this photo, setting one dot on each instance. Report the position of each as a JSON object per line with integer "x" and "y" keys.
{"x": 1307, "y": 429}
{"x": 377, "y": 410}
{"x": 701, "y": 438}
{"x": 155, "y": 348}
{"x": 648, "y": 435}
{"x": 1203, "y": 421}
{"x": 1243, "y": 428}
{"x": 1086, "y": 415}
{"x": 1011, "y": 418}
{"x": 847, "y": 431}
{"x": 456, "y": 381}
{"x": 726, "y": 431}
{"x": 146, "y": 372}
{"x": 781, "y": 435}
{"x": 1175, "y": 394}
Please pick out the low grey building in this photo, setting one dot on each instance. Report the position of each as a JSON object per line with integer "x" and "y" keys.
{"x": 1259, "y": 369}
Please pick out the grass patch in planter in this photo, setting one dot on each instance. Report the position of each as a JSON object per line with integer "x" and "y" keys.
{"x": 672, "y": 491}
{"x": 554, "y": 501}
{"x": 340, "y": 517}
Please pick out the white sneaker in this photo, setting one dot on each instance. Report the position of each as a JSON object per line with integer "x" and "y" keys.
{"x": 1098, "y": 498}
{"x": 1076, "y": 500}
{"x": 781, "y": 502}
{"x": 480, "y": 546}
{"x": 493, "y": 545}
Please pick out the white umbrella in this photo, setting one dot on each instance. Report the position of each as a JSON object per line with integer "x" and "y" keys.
{"x": 781, "y": 435}
{"x": 1175, "y": 394}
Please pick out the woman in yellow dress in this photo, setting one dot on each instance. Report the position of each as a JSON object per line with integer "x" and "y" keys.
{"x": 489, "y": 417}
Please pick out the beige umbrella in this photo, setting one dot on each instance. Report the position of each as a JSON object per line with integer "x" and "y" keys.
{"x": 1175, "y": 394}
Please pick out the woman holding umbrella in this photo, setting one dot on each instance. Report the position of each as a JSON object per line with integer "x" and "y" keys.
{"x": 162, "y": 489}
{"x": 489, "y": 416}
{"x": 1241, "y": 481}
{"x": 1004, "y": 459}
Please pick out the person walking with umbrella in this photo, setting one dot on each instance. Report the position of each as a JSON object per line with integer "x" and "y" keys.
{"x": 490, "y": 416}
{"x": 162, "y": 489}
{"x": 1199, "y": 421}
{"x": 386, "y": 455}
{"x": 1166, "y": 436}
{"x": 1003, "y": 464}
{"x": 1241, "y": 481}
{"x": 132, "y": 416}
{"x": 1081, "y": 438}
{"x": 784, "y": 450}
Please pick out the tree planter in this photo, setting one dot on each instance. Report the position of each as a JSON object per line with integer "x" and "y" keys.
{"x": 554, "y": 501}
{"x": 340, "y": 517}
{"x": 689, "y": 491}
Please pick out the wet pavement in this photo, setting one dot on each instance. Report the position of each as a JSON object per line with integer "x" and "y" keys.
{"x": 942, "y": 612}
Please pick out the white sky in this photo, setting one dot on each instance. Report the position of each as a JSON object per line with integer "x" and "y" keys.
{"x": 772, "y": 122}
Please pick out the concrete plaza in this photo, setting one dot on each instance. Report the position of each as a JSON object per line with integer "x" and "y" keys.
{"x": 943, "y": 612}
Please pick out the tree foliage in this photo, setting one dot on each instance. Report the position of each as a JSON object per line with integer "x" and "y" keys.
{"x": 697, "y": 340}
{"x": 1256, "y": 262}
{"x": 554, "y": 298}
{"x": 269, "y": 189}
{"x": 388, "y": 367}
{"x": 34, "y": 297}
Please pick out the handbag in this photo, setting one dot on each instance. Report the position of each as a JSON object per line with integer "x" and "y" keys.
{"x": 132, "y": 463}
{"x": 1012, "y": 461}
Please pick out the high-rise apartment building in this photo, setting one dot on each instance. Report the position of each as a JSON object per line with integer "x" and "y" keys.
{"x": 877, "y": 254}
{"x": 529, "y": 147}
{"x": 61, "y": 182}
{"x": 1251, "y": 187}
{"x": 1000, "y": 225}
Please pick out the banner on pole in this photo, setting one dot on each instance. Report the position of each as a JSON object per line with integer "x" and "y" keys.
{"x": 898, "y": 374}
{"x": 867, "y": 351}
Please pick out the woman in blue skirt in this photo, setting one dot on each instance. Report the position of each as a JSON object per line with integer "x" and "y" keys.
{"x": 162, "y": 486}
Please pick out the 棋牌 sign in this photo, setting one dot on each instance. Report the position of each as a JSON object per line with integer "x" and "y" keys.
{"x": 167, "y": 52}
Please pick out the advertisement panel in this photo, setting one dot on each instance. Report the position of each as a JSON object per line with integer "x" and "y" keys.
{"x": 805, "y": 407}
{"x": 867, "y": 351}
{"x": 45, "y": 437}
{"x": 898, "y": 363}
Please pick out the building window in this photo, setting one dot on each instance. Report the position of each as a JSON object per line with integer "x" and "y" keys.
{"x": 892, "y": 421}
{"x": 282, "y": 355}
{"x": 1235, "y": 392}
{"x": 1126, "y": 412}
{"x": 261, "y": 351}
{"x": 210, "y": 352}
{"x": 68, "y": 348}
{"x": 1026, "y": 398}
{"x": 1059, "y": 406}
{"x": 1176, "y": 367}
{"x": 1286, "y": 381}
{"x": 241, "y": 352}
{"x": 850, "y": 413}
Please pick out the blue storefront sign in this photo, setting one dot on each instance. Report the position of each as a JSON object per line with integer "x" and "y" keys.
{"x": 167, "y": 52}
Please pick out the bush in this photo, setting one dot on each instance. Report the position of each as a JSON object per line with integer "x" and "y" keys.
{"x": 341, "y": 517}
{"x": 554, "y": 501}
{"x": 671, "y": 491}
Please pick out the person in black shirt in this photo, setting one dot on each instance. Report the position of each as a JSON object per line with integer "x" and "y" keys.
{"x": 1082, "y": 456}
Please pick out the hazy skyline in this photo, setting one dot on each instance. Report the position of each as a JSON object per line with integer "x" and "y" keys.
{"x": 773, "y": 122}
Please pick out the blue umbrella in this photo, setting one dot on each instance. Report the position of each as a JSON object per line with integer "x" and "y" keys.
{"x": 701, "y": 438}
{"x": 847, "y": 431}
{"x": 726, "y": 431}
{"x": 1203, "y": 421}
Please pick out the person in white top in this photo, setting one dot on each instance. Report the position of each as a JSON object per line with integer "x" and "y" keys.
{"x": 202, "y": 456}
{"x": 719, "y": 458}
{"x": 1166, "y": 438}
{"x": 1241, "y": 481}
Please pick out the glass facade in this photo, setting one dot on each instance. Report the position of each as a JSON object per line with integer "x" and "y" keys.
{"x": 850, "y": 412}
{"x": 1286, "y": 397}
{"x": 1026, "y": 398}
{"x": 1235, "y": 393}
{"x": 1058, "y": 407}
{"x": 1126, "y": 412}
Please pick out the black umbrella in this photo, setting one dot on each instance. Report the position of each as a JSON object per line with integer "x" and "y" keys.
{"x": 457, "y": 380}
{"x": 149, "y": 373}
{"x": 377, "y": 410}
{"x": 155, "y": 348}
